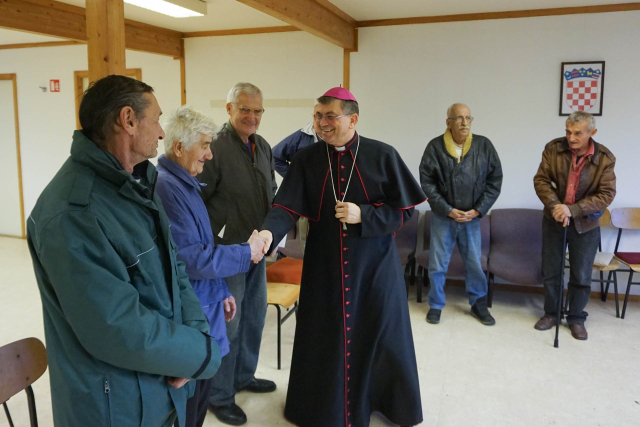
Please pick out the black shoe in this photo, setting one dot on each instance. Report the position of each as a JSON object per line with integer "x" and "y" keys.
{"x": 229, "y": 414}
{"x": 259, "y": 386}
{"x": 433, "y": 316}
{"x": 482, "y": 312}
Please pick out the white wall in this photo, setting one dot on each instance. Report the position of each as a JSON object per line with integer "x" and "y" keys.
{"x": 47, "y": 120}
{"x": 507, "y": 71}
{"x": 284, "y": 66}
{"x": 405, "y": 77}
{"x": 10, "y": 221}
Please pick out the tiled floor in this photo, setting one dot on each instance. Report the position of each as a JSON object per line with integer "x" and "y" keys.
{"x": 470, "y": 375}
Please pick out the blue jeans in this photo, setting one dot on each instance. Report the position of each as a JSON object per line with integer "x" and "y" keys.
{"x": 244, "y": 333}
{"x": 445, "y": 233}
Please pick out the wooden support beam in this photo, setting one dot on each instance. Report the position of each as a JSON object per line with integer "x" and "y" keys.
{"x": 346, "y": 69}
{"x": 529, "y": 13}
{"x": 148, "y": 38}
{"x": 50, "y": 20}
{"x": 40, "y": 44}
{"x": 105, "y": 37}
{"x": 242, "y": 31}
{"x": 56, "y": 19}
{"x": 333, "y": 8}
{"x": 183, "y": 78}
{"x": 310, "y": 16}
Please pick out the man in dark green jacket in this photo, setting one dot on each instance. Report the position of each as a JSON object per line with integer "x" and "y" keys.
{"x": 123, "y": 327}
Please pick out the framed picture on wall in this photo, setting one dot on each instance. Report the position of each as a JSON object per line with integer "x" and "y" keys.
{"x": 581, "y": 87}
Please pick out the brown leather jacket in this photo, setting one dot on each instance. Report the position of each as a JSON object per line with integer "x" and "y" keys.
{"x": 596, "y": 188}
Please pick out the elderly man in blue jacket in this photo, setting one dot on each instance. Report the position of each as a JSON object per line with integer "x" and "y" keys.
{"x": 187, "y": 146}
{"x": 124, "y": 329}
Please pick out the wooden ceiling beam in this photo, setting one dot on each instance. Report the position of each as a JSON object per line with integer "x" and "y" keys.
{"x": 511, "y": 14}
{"x": 310, "y": 16}
{"x": 56, "y": 19}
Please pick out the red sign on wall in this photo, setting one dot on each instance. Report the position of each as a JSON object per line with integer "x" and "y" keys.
{"x": 54, "y": 85}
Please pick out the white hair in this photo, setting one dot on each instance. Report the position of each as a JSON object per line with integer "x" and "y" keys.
{"x": 187, "y": 126}
{"x": 452, "y": 106}
{"x": 243, "y": 88}
{"x": 582, "y": 116}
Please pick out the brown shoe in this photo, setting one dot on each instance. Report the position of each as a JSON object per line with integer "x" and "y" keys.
{"x": 578, "y": 331}
{"x": 546, "y": 322}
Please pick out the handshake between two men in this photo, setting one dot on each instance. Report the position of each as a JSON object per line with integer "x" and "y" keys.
{"x": 260, "y": 242}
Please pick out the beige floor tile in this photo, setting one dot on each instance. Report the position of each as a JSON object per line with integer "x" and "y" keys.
{"x": 505, "y": 375}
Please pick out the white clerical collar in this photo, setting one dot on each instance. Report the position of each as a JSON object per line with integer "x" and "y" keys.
{"x": 340, "y": 148}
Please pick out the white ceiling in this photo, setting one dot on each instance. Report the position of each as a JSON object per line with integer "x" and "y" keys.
{"x": 229, "y": 14}
{"x": 364, "y": 10}
{"x": 221, "y": 15}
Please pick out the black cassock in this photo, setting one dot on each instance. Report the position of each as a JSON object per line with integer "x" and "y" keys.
{"x": 353, "y": 351}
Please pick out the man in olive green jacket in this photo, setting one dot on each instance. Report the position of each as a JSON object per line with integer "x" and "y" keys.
{"x": 123, "y": 327}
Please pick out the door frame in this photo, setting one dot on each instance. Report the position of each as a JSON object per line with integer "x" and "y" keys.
{"x": 14, "y": 79}
{"x": 78, "y": 88}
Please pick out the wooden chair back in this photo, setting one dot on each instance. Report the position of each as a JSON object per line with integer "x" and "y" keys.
{"x": 626, "y": 218}
{"x": 21, "y": 364}
{"x": 605, "y": 218}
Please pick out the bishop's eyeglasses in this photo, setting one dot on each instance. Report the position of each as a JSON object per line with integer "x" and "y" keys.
{"x": 329, "y": 117}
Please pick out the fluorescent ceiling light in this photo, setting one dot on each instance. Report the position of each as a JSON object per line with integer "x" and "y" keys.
{"x": 175, "y": 8}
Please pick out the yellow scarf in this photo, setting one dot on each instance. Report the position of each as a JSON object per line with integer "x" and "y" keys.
{"x": 450, "y": 144}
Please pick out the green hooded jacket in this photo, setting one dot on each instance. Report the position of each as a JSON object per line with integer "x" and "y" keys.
{"x": 120, "y": 315}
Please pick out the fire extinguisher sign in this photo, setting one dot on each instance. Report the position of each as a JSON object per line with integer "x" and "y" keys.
{"x": 54, "y": 85}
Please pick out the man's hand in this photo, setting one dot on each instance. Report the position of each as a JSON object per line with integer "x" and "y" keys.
{"x": 461, "y": 216}
{"x": 229, "y": 309}
{"x": 267, "y": 239}
{"x": 561, "y": 213}
{"x": 257, "y": 247}
{"x": 348, "y": 212}
{"x": 177, "y": 382}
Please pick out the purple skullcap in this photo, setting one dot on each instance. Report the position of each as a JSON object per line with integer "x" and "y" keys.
{"x": 340, "y": 93}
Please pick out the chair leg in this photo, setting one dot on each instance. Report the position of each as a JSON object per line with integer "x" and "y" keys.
{"x": 490, "y": 279}
{"x": 279, "y": 333}
{"x": 606, "y": 289}
{"x": 420, "y": 283}
{"x": 6, "y": 411}
{"x": 603, "y": 296}
{"x": 31, "y": 400}
{"x": 412, "y": 277}
{"x": 626, "y": 296}
{"x": 615, "y": 289}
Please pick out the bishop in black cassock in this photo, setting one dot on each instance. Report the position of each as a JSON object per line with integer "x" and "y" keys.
{"x": 353, "y": 351}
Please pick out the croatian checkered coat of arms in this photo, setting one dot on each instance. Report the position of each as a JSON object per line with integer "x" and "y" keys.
{"x": 582, "y": 88}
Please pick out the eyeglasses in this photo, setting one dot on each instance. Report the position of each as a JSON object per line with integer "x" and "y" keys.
{"x": 329, "y": 117}
{"x": 459, "y": 119}
{"x": 246, "y": 111}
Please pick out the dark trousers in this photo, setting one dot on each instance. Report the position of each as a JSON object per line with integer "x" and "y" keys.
{"x": 238, "y": 368}
{"x": 582, "y": 252}
{"x": 197, "y": 404}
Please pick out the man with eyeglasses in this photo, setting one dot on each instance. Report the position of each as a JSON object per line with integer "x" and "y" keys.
{"x": 461, "y": 174}
{"x": 239, "y": 185}
{"x": 353, "y": 351}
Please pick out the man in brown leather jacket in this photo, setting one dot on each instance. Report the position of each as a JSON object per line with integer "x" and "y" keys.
{"x": 576, "y": 183}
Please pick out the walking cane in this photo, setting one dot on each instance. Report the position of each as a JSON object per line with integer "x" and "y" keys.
{"x": 561, "y": 292}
